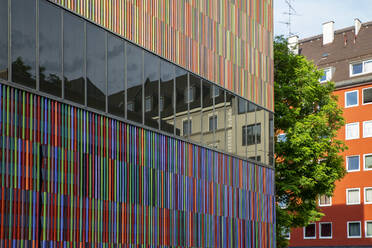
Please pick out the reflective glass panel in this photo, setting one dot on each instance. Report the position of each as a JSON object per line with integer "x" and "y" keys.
{"x": 115, "y": 75}
{"x": 134, "y": 83}
{"x": 241, "y": 124}
{"x": 152, "y": 77}
{"x": 258, "y": 133}
{"x": 181, "y": 105}
{"x": 195, "y": 107}
{"x": 251, "y": 120}
{"x": 24, "y": 42}
{"x": 271, "y": 139}
{"x": 73, "y": 58}
{"x": 231, "y": 133}
{"x": 96, "y": 67}
{"x": 207, "y": 112}
{"x": 4, "y": 39}
{"x": 50, "y": 48}
{"x": 166, "y": 103}
{"x": 219, "y": 113}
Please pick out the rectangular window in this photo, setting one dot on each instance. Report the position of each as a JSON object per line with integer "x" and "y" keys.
{"x": 357, "y": 68}
{"x": 353, "y": 229}
{"x": 148, "y": 103}
{"x": 353, "y": 196}
{"x": 368, "y": 161}
{"x": 368, "y": 195}
{"x": 212, "y": 123}
{"x": 352, "y": 163}
{"x": 251, "y": 134}
{"x": 367, "y": 129}
{"x": 310, "y": 231}
{"x": 352, "y": 131}
{"x": 286, "y": 233}
{"x": 351, "y": 98}
{"x": 327, "y": 75}
{"x": 325, "y": 230}
{"x": 369, "y": 229}
{"x": 189, "y": 94}
{"x": 215, "y": 91}
{"x": 367, "y": 96}
{"x": 187, "y": 127}
{"x": 361, "y": 67}
{"x": 325, "y": 201}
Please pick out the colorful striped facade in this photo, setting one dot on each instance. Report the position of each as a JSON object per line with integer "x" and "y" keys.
{"x": 227, "y": 42}
{"x": 71, "y": 178}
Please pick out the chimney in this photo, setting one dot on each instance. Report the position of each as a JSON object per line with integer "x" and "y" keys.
{"x": 328, "y": 32}
{"x": 358, "y": 25}
{"x": 293, "y": 44}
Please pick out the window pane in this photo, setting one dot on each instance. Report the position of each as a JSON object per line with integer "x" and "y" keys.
{"x": 357, "y": 68}
{"x": 73, "y": 58}
{"x": 195, "y": 108}
{"x": 367, "y": 95}
{"x": 231, "y": 136}
{"x": 212, "y": 123}
{"x": 352, "y": 131}
{"x": 167, "y": 96}
{"x": 354, "y": 229}
{"x": 181, "y": 106}
{"x": 367, "y": 129}
{"x": 219, "y": 112}
{"x": 368, "y": 161}
{"x": 324, "y": 200}
{"x": 251, "y": 120}
{"x": 24, "y": 42}
{"x": 187, "y": 127}
{"x": 50, "y": 48}
{"x": 96, "y": 67}
{"x": 310, "y": 231}
{"x": 115, "y": 75}
{"x": 134, "y": 82}
{"x": 353, "y": 196}
{"x": 368, "y": 66}
{"x": 353, "y": 163}
{"x": 207, "y": 112}
{"x": 368, "y": 196}
{"x": 369, "y": 229}
{"x": 271, "y": 139}
{"x": 4, "y": 39}
{"x": 326, "y": 230}
{"x": 152, "y": 77}
{"x": 241, "y": 122}
{"x": 351, "y": 98}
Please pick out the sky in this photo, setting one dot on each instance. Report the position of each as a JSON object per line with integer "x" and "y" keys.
{"x": 311, "y": 14}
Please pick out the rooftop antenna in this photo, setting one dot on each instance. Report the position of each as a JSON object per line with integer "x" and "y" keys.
{"x": 291, "y": 12}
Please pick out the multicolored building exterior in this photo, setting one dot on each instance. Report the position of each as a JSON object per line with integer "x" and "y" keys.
{"x": 345, "y": 56}
{"x": 129, "y": 123}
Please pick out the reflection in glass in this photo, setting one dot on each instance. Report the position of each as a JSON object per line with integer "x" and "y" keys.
{"x": 241, "y": 123}
{"x": 181, "y": 106}
{"x": 96, "y": 67}
{"x": 207, "y": 112}
{"x": 271, "y": 139}
{"x": 115, "y": 75}
{"x": 193, "y": 96}
{"x": 4, "y": 39}
{"x": 231, "y": 110}
{"x": 134, "y": 82}
{"x": 219, "y": 112}
{"x": 152, "y": 77}
{"x": 24, "y": 42}
{"x": 50, "y": 48}
{"x": 260, "y": 134}
{"x": 166, "y": 97}
{"x": 73, "y": 58}
{"x": 251, "y": 120}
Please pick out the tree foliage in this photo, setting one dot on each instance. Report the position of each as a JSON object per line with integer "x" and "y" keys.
{"x": 308, "y": 160}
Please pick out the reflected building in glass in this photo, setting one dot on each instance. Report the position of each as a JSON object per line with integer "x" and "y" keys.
{"x": 123, "y": 124}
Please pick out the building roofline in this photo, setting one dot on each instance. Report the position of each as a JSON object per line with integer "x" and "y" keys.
{"x": 336, "y": 32}
{"x": 353, "y": 82}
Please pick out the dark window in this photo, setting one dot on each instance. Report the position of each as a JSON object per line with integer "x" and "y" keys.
{"x": 115, "y": 75}
{"x": 73, "y": 58}
{"x": 251, "y": 134}
{"x": 310, "y": 231}
{"x": 242, "y": 106}
{"x": 189, "y": 94}
{"x": 152, "y": 77}
{"x": 4, "y": 39}
{"x": 187, "y": 124}
{"x": 357, "y": 68}
{"x": 96, "y": 67}
{"x": 212, "y": 123}
{"x": 215, "y": 91}
{"x": 367, "y": 95}
{"x": 24, "y": 42}
{"x": 354, "y": 229}
{"x": 167, "y": 96}
{"x": 325, "y": 230}
{"x": 352, "y": 163}
{"x": 181, "y": 106}
{"x": 257, "y": 158}
{"x": 134, "y": 82}
{"x": 50, "y": 48}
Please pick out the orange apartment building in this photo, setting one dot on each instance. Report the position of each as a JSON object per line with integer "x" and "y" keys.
{"x": 346, "y": 57}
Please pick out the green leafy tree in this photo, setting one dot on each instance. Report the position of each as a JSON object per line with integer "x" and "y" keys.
{"x": 308, "y": 160}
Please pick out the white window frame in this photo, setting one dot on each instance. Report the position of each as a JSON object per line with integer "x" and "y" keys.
{"x": 363, "y": 96}
{"x": 352, "y": 91}
{"x": 320, "y": 230}
{"x": 347, "y": 163}
{"x": 363, "y": 71}
{"x": 325, "y": 70}
{"x": 304, "y": 228}
{"x": 347, "y": 196}
{"x": 364, "y": 122}
{"x": 364, "y": 161}
{"x": 349, "y": 124}
{"x": 365, "y": 196}
{"x": 360, "y": 230}
{"x": 325, "y": 205}
{"x": 365, "y": 228}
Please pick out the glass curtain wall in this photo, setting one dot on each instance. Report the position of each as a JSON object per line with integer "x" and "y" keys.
{"x": 166, "y": 101}
{"x": 152, "y": 78}
{"x": 4, "y": 39}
